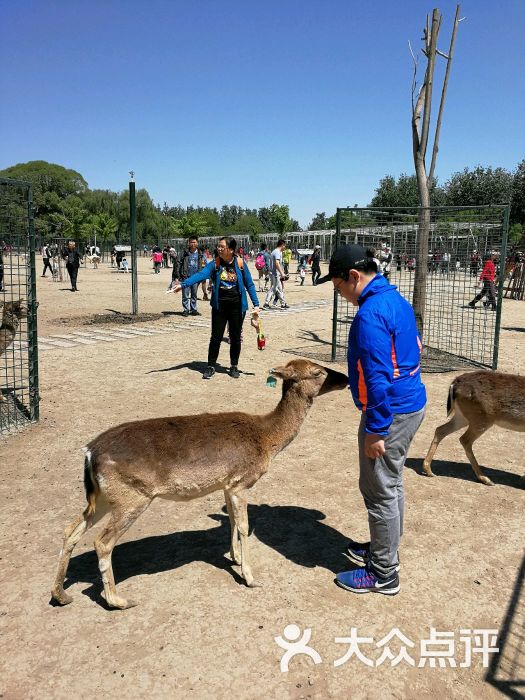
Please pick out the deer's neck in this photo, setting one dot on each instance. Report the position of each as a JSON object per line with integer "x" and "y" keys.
{"x": 9, "y": 321}
{"x": 285, "y": 421}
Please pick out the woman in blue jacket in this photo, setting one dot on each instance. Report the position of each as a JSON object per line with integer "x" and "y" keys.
{"x": 229, "y": 303}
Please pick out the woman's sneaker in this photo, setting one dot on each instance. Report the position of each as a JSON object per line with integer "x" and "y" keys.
{"x": 365, "y": 580}
{"x": 234, "y": 372}
{"x": 208, "y": 372}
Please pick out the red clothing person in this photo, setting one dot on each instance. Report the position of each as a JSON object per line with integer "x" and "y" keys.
{"x": 488, "y": 275}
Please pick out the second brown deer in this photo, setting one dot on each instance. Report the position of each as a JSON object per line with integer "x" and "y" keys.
{"x": 480, "y": 400}
{"x": 185, "y": 457}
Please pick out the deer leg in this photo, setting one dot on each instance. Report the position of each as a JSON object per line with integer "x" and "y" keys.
{"x": 72, "y": 535}
{"x": 457, "y": 421}
{"x": 473, "y": 433}
{"x": 240, "y": 514}
{"x": 235, "y": 552}
{"x": 121, "y": 520}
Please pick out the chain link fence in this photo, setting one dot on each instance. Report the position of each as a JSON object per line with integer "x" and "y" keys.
{"x": 462, "y": 312}
{"x": 19, "y": 400}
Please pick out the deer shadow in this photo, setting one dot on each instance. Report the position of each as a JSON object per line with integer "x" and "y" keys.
{"x": 296, "y": 533}
{"x": 463, "y": 470}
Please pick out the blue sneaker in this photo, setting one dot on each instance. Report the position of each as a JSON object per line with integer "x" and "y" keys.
{"x": 364, "y": 580}
{"x": 359, "y": 553}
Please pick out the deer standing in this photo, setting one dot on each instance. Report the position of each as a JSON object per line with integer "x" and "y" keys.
{"x": 128, "y": 466}
{"x": 480, "y": 400}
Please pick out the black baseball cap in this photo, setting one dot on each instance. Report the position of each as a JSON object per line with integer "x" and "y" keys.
{"x": 346, "y": 257}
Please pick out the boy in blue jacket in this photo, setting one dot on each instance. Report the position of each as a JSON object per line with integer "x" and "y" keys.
{"x": 384, "y": 348}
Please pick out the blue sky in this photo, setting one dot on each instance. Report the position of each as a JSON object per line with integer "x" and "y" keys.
{"x": 211, "y": 102}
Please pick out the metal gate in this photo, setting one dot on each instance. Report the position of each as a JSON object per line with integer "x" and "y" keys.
{"x": 461, "y": 240}
{"x": 19, "y": 398}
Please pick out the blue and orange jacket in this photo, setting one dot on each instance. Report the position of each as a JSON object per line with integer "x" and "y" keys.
{"x": 384, "y": 349}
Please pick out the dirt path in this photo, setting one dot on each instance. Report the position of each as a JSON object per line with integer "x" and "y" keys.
{"x": 197, "y": 631}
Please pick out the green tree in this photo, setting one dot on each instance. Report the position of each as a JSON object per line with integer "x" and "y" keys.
{"x": 404, "y": 192}
{"x": 280, "y": 218}
{"x": 479, "y": 187}
{"x": 319, "y": 222}
{"x": 249, "y": 224}
{"x": 516, "y": 233}
{"x": 517, "y": 211}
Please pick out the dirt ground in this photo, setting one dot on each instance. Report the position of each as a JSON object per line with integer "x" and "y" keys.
{"x": 197, "y": 631}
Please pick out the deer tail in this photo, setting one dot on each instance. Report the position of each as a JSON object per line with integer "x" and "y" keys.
{"x": 90, "y": 483}
{"x": 451, "y": 398}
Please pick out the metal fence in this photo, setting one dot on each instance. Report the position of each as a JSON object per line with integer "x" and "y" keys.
{"x": 19, "y": 400}
{"x": 455, "y": 334}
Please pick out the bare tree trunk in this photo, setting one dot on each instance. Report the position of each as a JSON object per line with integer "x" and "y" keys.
{"x": 421, "y": 112}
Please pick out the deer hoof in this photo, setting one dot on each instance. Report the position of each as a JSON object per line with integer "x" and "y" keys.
{"x": 254, "y": 584}
{"x": 427, "y": 471}
{"x": 485, "y": 480}
{"x": 122, "y": 604}
{"x": 61, "y": 597}
{"x": 235, "y": 557}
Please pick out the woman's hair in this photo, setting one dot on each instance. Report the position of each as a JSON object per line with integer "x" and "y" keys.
{"x": 231, "y": 243}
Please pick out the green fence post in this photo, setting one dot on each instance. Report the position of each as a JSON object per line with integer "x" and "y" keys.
{"x": 501, "y": 282}
{"x": 34, "y": 398}
{"x": 133, "y": 227}
{"x": 336, "y": 295}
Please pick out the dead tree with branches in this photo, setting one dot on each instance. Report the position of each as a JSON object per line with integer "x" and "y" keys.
{"x": 421, "y": 111}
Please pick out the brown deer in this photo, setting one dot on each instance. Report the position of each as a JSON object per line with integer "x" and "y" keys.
{"x": 185, "y": 457}
{"x": 12, "y": 313}
{"x": 480, "y": 400}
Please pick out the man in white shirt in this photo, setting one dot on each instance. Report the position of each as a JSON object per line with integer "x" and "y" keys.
{"x": 276, "y": 276}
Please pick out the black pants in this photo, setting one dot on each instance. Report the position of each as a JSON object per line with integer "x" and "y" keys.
{"x": 316, "y": 273}
{"x": 230, "y": 313}
{"x": 47, "y": 264}
{"x": 488, "y": 289}
{"x": 72, "y": 271}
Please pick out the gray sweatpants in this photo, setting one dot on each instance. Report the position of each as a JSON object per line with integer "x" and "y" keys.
{"x": 381, "y": 485}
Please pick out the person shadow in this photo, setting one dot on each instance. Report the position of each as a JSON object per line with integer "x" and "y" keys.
{"x": 298, "y": 534}
{"x": 463, "y": 470}
{"x": 197, "y": 366}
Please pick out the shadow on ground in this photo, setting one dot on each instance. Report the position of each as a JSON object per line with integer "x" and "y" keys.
{"x": 463, "y": 470}
{"x": 197, "y": 366}
{"x": 298, "y": 534}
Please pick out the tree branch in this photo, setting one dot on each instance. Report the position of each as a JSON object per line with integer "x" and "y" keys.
{"x": 429, "y": 80}
{"x": 435, "y": 148}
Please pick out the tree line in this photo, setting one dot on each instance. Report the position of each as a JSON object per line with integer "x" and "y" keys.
{"x": 65, "y": 207}
{"x": 477, "y": 187}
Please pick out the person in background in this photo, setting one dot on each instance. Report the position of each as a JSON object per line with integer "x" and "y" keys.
{"x": 487, "y": 277}
{"x": 276, "y": 276}
{"x": 156, "y": 256}
{"x": 261, "y": 265}
{"x": 73, "y": 260}
{"x": 384, "y": 375}
{"x": 316, "y": 264}
{"x": 188, "y": 264}
{"x": 232, "y": 280}
{"x": 287, "y": 257}
{"x": 46, "y": 258}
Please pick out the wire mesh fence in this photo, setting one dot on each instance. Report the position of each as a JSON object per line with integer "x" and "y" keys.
{"x": 19, "y": 398}
{"x": 463, "y": 297}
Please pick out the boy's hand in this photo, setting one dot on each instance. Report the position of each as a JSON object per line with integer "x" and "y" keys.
{"x": 374, "y": 445}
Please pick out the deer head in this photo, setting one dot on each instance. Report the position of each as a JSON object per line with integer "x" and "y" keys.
{"x": 312, "y": 379}
{"x": 16, "y": 308}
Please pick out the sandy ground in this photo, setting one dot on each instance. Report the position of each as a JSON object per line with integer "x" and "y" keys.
{"x": 197, "y": 631}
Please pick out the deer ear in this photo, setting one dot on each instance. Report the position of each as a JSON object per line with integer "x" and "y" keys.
{"x": 283, "y": 372}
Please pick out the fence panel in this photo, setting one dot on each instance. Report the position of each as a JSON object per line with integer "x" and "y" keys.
{"x": 461, "y": 240}
{"x": 19, "y": 400}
